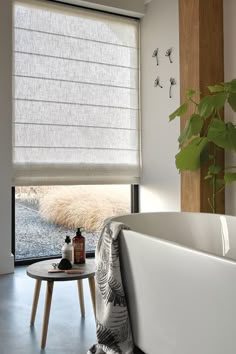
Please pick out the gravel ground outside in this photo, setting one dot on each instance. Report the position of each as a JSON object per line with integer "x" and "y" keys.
{"x": 35, "y": 237}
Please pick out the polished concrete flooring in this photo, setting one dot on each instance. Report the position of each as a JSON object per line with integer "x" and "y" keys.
{"x": 68, "y": 332}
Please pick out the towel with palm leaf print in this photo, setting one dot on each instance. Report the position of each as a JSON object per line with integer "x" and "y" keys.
{"x": 112, "y": 320}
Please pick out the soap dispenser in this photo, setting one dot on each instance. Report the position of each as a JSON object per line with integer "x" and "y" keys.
{"x": 78, "y": 247}
{"x": 67, "y": 249}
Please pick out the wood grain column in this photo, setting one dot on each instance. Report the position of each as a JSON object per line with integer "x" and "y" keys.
{"x": 201, "y": 64}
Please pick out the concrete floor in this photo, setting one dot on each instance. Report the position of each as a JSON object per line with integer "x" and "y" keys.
{"x": 68, "y": 332}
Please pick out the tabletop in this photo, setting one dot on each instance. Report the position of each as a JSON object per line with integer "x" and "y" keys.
{"x": 39, "y": 270}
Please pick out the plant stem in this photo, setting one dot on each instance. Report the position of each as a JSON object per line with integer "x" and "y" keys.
{"x": 214, "y": 185}
{"x": 221, "y": 189}
{"x": 214, "y": 194}
{"x": 196, "y": 104}
{"x": 218, "y": 114}
{"x": 209, "y": 201}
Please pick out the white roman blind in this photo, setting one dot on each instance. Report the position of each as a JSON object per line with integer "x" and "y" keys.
{"x": 76, "y": 90}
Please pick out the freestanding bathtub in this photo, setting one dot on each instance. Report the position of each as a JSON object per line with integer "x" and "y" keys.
{"x": 179, "y": 274}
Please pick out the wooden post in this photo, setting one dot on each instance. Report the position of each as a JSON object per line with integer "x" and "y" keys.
{"x": 201, "y": 64}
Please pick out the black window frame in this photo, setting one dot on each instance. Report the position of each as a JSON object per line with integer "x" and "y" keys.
{"x": 134, "y": 198}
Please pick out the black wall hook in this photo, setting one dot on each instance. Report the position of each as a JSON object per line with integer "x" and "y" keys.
{"x": 155, "y": 55}
{"x": 168, "y": 54}
{"x": 172, "y": 83}
{"x": 157, "y": 82}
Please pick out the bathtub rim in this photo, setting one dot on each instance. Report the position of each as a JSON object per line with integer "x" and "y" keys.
{"x": 173, "y": 243}
{"x": 177, "y": 245}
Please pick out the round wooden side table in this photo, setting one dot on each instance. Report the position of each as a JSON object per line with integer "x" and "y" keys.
{"x": 39, "y": 271}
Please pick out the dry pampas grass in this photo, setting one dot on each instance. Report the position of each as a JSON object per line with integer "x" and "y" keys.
{"x": 31, "y": 192}
{"x": 84, "y": 206}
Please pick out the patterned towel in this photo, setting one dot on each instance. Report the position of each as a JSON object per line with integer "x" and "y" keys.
{"x": 112, "y": 320}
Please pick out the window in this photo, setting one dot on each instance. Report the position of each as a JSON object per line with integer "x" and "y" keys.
{"x": 76, "y": 106}
{"x": 45, "y": 215}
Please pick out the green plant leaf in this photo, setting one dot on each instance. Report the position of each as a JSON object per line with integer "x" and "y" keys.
{"x": 222, "y": 134}
{"x": 208, "y": 103}
{"x": 230, "y": 86}
{"x": 214, "y": 169}
{"x": 189, "y": 156}
{"x": 189, "y": 93}
{"x": 205, "y": 106}
{"x": 193, "y": 127}
{"x": 230, "y": 177}
{"x": 179, "y": 111}
{"x": 216, "y": 88}
{"x": 219, "y": 100}
{"x": 232, "y": 101}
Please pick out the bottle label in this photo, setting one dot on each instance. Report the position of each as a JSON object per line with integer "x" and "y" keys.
{"x": 67, "y": 254}
{"x": 79, "y": 252}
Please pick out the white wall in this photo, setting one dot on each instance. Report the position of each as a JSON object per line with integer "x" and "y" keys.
{"x": 160, "y": 183}
{"x": 6, "y": 259}
{"x": 124, "y": 7}
{"x": 230, "y": 73}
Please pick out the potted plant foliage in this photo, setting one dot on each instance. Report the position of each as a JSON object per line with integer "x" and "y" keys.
{"x": 205, "y": 133}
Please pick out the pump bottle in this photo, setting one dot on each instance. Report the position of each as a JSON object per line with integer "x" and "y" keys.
{"x": 78, "y": 247}
{"x": 67, "y": 249}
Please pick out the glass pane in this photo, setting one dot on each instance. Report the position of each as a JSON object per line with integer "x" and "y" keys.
{"x": 45, "y": 215}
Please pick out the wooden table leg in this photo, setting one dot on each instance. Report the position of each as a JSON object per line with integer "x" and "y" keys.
{"x": 48, "y": 301}
{"x": 35, "y": 301}
{"x": 81, "y": 296}
{"x": 92, "y": 292}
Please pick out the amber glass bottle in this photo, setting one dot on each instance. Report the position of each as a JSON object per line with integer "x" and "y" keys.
{"x": 78, "y": 248}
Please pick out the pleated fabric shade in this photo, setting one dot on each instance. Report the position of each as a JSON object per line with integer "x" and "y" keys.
{"x": 76, "y": 96}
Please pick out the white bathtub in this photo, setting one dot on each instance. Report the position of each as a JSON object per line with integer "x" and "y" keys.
{"x": 179, "y": 273}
